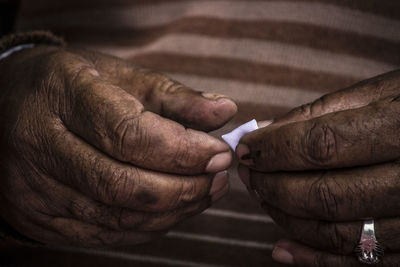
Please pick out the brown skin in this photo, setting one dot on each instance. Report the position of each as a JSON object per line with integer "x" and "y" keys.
{"x": 323, "y": 168}
{"x": 95, "y": 151}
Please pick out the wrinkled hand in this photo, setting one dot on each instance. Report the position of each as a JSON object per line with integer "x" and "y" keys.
{"x": 94, "y": 151}
{"x": 325, "y": 167}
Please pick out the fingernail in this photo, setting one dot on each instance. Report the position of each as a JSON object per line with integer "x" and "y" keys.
{"x": 262, "y": 124}
{"x": 244, "y": 174}
{"x": 219, "y": 162}
{"x": 219, "y": 182}
{"x": 213, "y": 96}
{"x": 243, "y": 154}
{"x": 282, "y": 255}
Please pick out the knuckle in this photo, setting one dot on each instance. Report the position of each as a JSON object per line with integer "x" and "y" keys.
{"x": 113, "y": 189}
{"x": 67, "y": 62}
{"x": 383, "y": 86}
{"x": 191, "y": 150}
{"x": 166, "y": 85}
{"x": 190, "y": 192}
{"x": 322, "y": 199}
{"x": 320, "y": 144}
{"x": 182, "y": 194}
{"x": 180, "y": 197}
{"x": 306, "y": 110}
{"x": 183, "y": 157}
{"x": 94, "y": 214}
{"x": 79, "y": 76}
{"x": 333, "y": 235}
{"x": 140, "y": 191}
{"x": 270, "y": 188}
{"x": 313, "y": 109}
{"x": 70, "y": 65}
{"x": 129, "y": 135}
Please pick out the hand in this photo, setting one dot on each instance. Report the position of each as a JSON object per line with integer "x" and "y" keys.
{"x": 325, "y": 167}
{"x": 94, "y": 151}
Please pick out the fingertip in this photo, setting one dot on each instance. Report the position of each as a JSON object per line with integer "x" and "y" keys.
{"x": 218, "y": 110}
{"x": 243, "y": 154}
{"x": 219, "y": 162}
{"x": 282, "y": 255}
{"x": 292, "y": 252}
{"x": 229, "y": 104}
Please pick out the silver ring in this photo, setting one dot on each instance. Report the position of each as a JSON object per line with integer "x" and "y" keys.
{"x": 369, "y": 251}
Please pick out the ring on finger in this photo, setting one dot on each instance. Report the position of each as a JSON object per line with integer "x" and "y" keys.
{"x": 368, "y": 250}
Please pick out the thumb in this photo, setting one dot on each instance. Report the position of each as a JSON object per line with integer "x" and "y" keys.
{"x": 201, "y": 111}
{"x": 193, "y": 109}
{"x": 164, "y": 96}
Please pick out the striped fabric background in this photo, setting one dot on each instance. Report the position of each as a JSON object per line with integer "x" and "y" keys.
{"x": 270, "y": 56}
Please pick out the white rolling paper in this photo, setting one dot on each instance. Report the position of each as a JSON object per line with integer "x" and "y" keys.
{"x": 232, "y": 138}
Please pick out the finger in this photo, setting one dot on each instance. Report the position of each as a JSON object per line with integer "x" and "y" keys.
{"x": 336, "y": 237}
{"x": 62, "y": 201}
{"x": 339, "y": 238}
{"x": 164, "y": 96}
{"x": 118, "y": 184}
{"x": 355, "y": 96}
{"x": 114, "y": 121}
{"x": 293, "y": 253}
{"x": 193, "y": 109}
{"x": 77, "y": 233}
{"x": 334, "y": 195}
{"x": 34, "y": 221}
{"x": 23, "y": 215}
{"x": 362, "y": 136}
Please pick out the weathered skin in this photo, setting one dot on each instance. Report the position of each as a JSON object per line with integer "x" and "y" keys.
{"x": 95, "y": 151}
{"x": 323, "y": 168}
